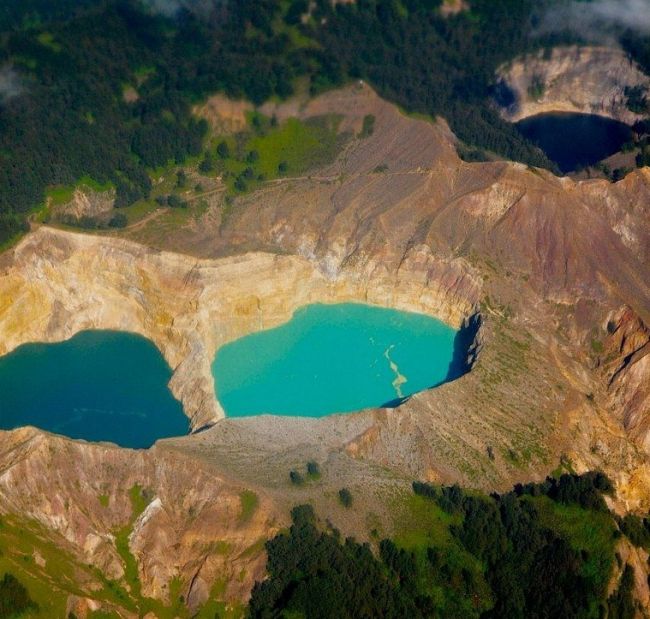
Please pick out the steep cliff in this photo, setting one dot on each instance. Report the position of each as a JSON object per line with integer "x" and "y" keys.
{"x": 590, "y": 80}
{"x": 59, "y": 283}
{"x": 624, "y": 360}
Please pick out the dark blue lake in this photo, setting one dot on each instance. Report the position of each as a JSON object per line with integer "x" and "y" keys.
{"x": 575, "y": 141}
{"x": 98, "y": 386}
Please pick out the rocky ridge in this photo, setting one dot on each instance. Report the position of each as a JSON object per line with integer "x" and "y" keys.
{"x": 589, "y": 80}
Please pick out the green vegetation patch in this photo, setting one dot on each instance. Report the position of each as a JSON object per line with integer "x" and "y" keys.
{"x": 249, "y": 504}
{"x": 62, "y": 194}
{"x": 139, "y": 500}
{"x": 268, "y": 150}
{"x": 301, "y": 145}
{"x": 450, "y": 574}
{"x": 48, "y": 580}
{"x": 46, "y": 39}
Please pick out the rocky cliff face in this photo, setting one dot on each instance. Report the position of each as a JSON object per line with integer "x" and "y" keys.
{"x": 625, "y": 364}
{"x": 59, "y": 283}
{"x": 589, "y": 80}
{"x": 85, "y": 202}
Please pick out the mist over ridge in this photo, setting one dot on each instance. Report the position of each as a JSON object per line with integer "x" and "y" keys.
{"x": 598, "y": 21}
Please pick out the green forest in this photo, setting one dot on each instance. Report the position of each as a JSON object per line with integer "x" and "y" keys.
{"x": 540, "y": 551}
{"x": 103, "y": 89}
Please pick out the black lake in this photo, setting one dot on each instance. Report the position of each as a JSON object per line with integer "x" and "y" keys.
{"x": 572, "y": 140}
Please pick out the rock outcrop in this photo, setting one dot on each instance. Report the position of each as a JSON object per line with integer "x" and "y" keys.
{"x": 590, "y": 80}
{"x": 85, "y": 202}
{"x": 625, "y": 363}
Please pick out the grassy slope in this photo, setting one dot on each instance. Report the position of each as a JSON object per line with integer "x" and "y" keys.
{"x": 421, "y": 524}
{"x": 418, "y": 525}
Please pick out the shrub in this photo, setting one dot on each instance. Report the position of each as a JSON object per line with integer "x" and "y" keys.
{"x": 119, "y": 220}
{"x": 223, "y": 150}
{"x": 313, "y": 470}
{"x": 345, "y": 496}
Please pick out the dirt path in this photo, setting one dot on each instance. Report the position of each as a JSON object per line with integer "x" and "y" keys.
{"x": 145, "y": 220}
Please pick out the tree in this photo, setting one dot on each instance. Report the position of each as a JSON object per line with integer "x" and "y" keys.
{"x": 181, "y": 179}
{"x": 313, "y": 470}
{"x": 223, "y": 150}
{"x": 119, "y": 220}
{"x": 296, "y": 478}
{"x": 345, "y": 496}
{"x": 283, "y": 166}
{"x": 175, "y": 202}
{"x": 207, "y": 163}
{"x": 14, "y": 598}
{"x": 295, "y": 11}
{"x": 315, "y": 574}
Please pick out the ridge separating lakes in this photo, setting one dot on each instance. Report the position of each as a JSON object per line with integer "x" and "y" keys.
{"x": 97, "y": 386}
{"x": 338, "y": 358}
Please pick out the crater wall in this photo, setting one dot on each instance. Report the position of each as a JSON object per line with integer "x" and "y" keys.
{"x": 59, "y": 283}
{"x": 590, "y": 80}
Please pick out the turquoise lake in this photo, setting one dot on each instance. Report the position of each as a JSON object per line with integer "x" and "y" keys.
{"x": 334, "y": 359}
{"x": 98, "y": 386}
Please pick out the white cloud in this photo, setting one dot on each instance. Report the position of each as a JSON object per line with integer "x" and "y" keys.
{"x": 597, "y": 19}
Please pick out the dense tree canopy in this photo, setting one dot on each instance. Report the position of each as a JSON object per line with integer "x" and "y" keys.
{"x": 104, "y": 88}
{"x": 533, "y": 570}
